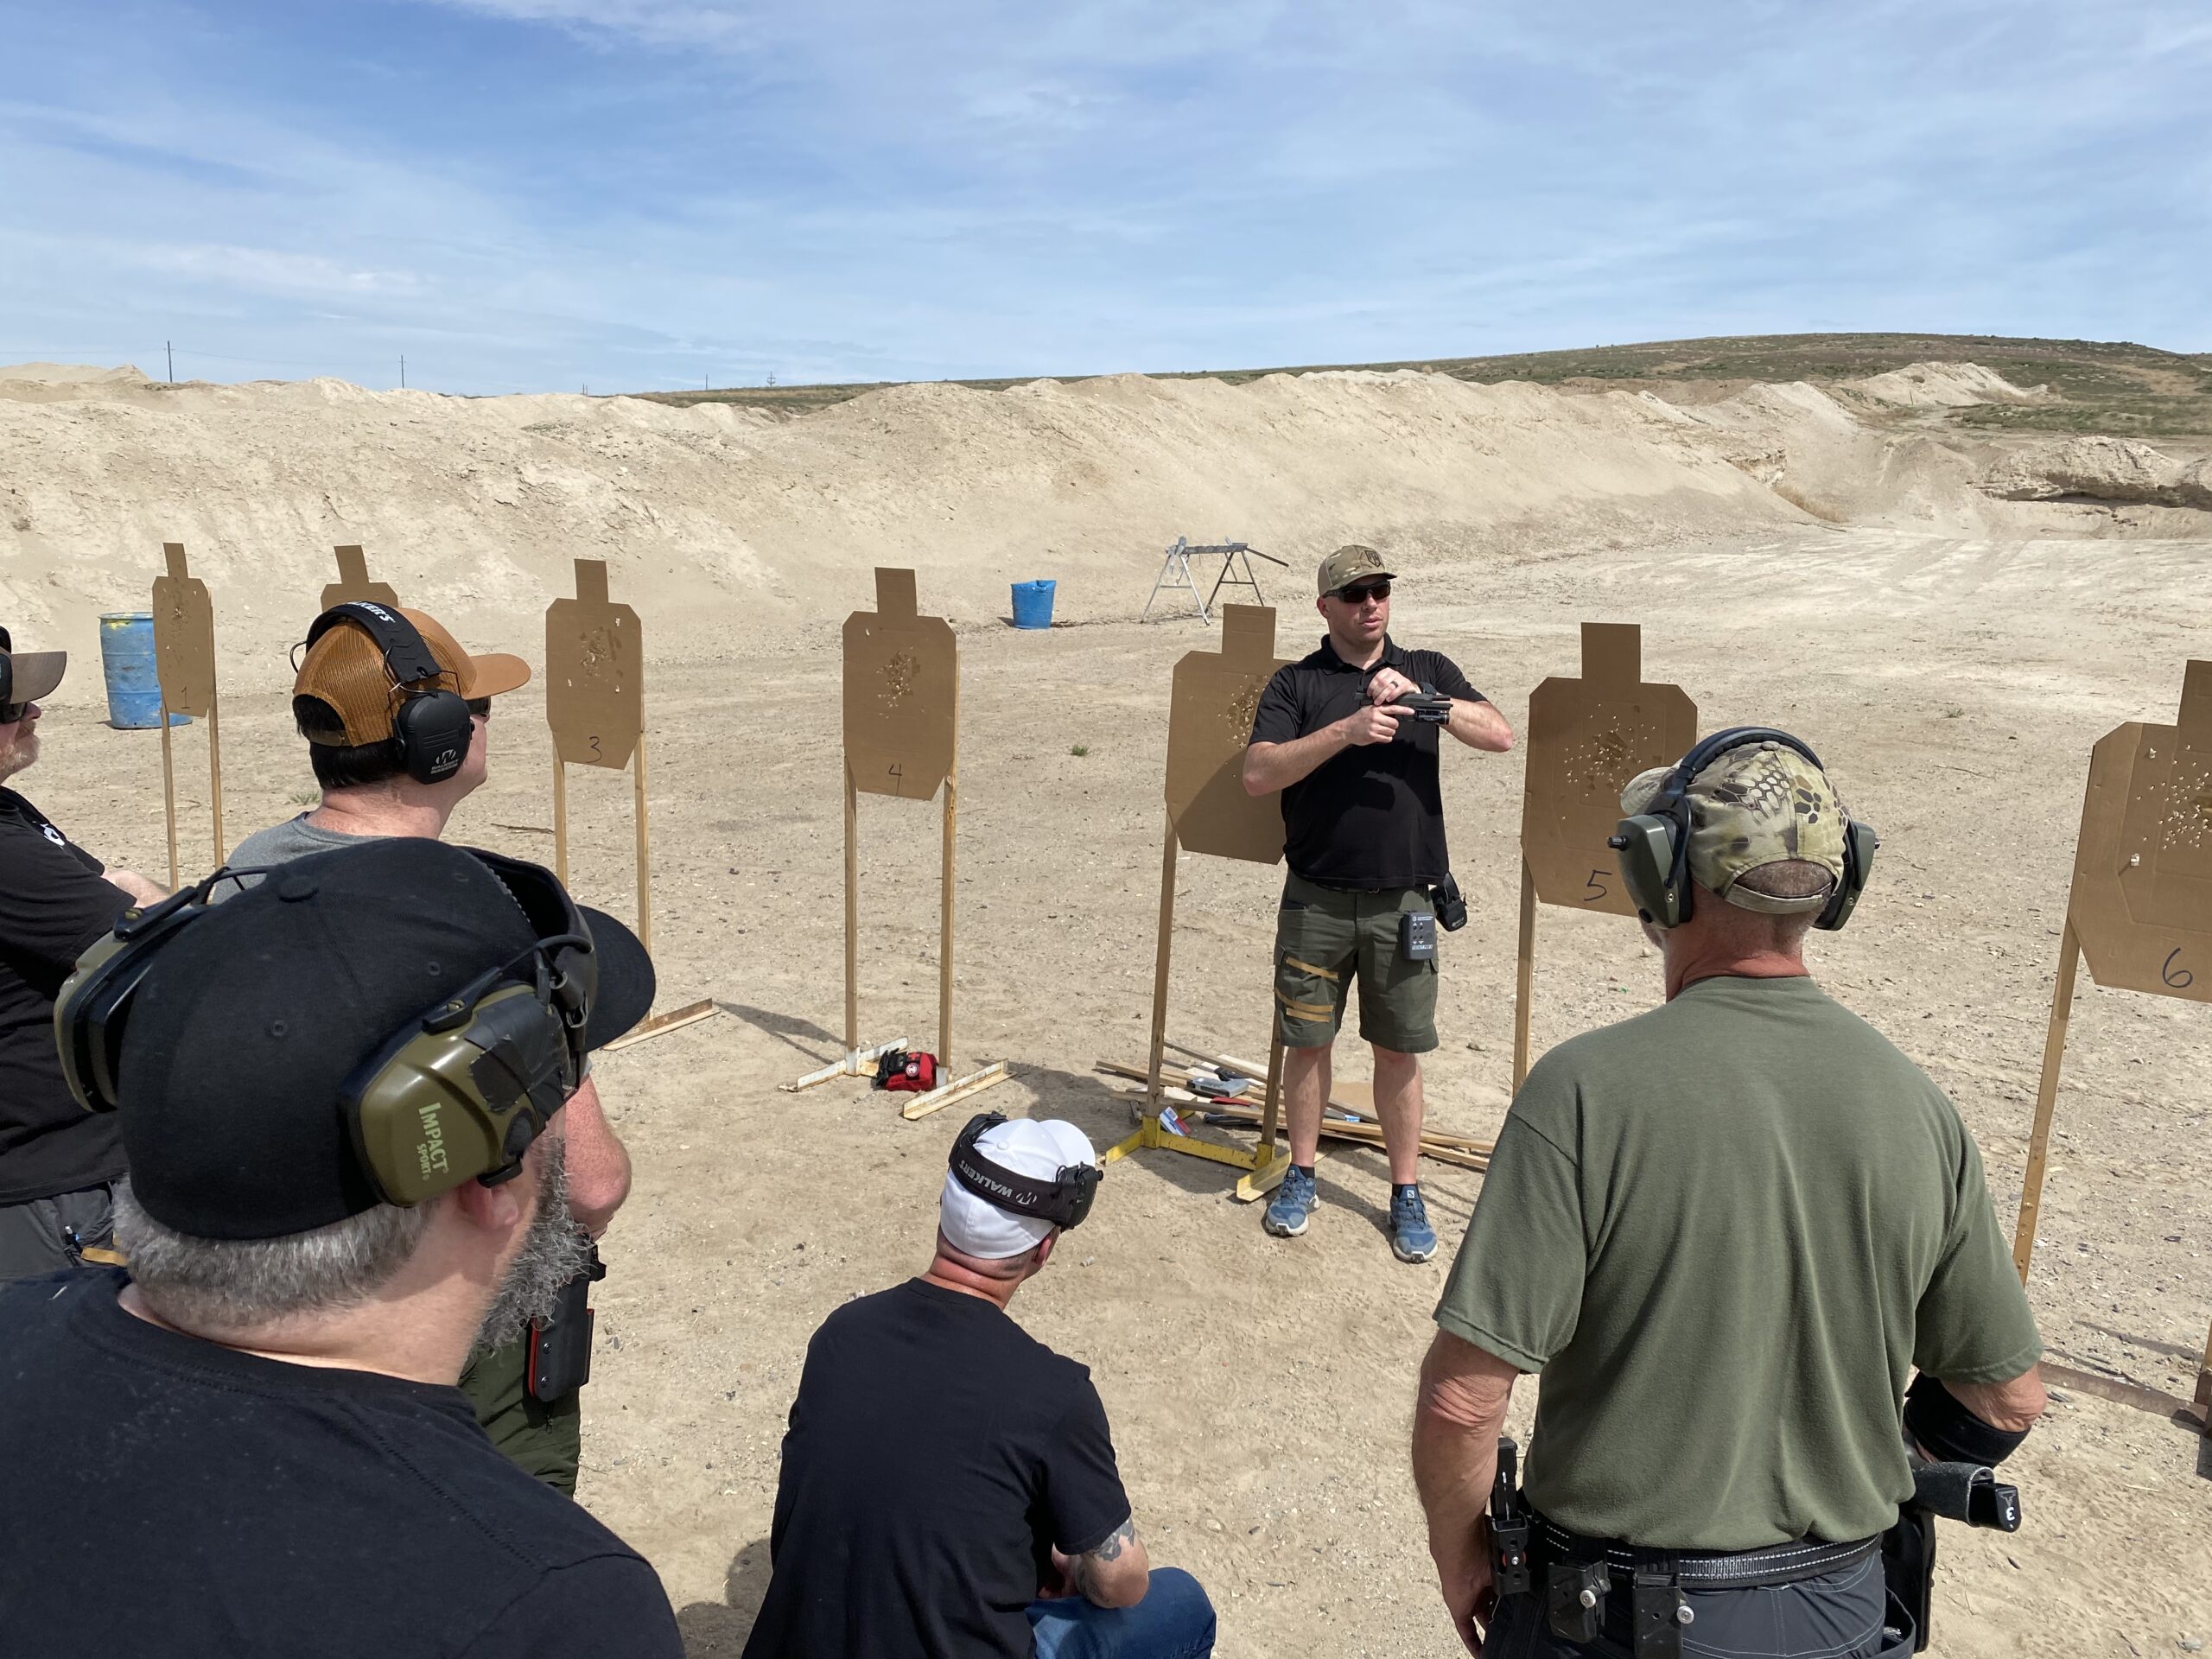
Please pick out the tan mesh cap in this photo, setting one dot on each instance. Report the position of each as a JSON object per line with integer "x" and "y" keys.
{"x": 1762, "y": 804}
{"x": 346, "y": 668}
{"x": 1350, "y": 564}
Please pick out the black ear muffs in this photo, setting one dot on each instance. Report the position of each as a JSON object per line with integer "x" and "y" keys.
{"x": 1064, "y": 1200}
{"x": 432, "y": 725}
{"x": 1653, "y": 846}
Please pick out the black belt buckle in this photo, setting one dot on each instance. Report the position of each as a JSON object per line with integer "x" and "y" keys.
{"x": 1658, "y": 1611}
{"x": 1574, "y": 1596}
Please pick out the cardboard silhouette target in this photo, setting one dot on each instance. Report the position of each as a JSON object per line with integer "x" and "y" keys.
{"x": 1209, "y": 726}
{"x": 901, "y": 695}
{"x": 2139, "y": 911}
{"x": 184, "y": 665}
{"x": 901, "y": 707}
{"x": 353, "y": 581}
{"x": 596, "y": 706}
{"x": 1587, "y": 737}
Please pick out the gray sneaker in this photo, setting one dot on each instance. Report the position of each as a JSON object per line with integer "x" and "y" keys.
{"x": 1294, "y": 1200}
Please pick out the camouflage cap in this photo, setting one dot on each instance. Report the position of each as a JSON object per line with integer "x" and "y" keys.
{"x": 1762, "y": 804}
{"x": 1348, "y": 564}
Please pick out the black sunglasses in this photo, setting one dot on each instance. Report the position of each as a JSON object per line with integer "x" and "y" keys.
{"x": 1359, "y": 593}
{"x": 11, "y": 712}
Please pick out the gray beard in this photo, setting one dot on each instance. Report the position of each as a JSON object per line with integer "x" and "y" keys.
{"x": 553, "y": 1252}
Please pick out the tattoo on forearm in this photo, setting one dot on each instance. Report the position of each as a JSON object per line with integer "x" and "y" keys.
{"x": 1116, "y": 1541}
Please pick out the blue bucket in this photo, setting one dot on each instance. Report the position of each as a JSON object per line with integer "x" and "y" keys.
{"x": 1033, "y": 604}
{"x": 134, "y": 688}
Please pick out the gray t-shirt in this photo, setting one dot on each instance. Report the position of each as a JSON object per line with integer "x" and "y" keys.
{"x": 1725, "y": 1232}
{"x": 280, "y": 844}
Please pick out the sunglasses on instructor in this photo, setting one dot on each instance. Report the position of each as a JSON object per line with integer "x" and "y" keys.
{"x": 1358, "y": 592}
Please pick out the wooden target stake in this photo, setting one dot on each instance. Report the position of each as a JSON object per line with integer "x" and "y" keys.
{"x": 1586, "y": 738}
{"x": 2139, "y": 910}
{"x": 184, "y": 663}
{"x": 901, "y": 708}
{"x": 353, "y": 581}
{"x": 596, "y": 706}
{"x": 1209, "y": 724}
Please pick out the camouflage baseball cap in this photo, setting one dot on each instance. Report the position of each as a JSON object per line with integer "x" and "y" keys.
{"x": 1348, "y": 564}
{"x": 1764, "y": 804}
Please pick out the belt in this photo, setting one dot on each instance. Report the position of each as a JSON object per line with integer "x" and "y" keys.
{"x": 1743, "y": 1569}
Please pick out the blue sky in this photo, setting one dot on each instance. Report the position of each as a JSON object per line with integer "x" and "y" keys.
{"x": 541, "y": 194}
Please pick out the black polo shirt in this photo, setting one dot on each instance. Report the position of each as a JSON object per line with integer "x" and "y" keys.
{"x": 54, "y": 904}
{"x": 1369, "y": 816}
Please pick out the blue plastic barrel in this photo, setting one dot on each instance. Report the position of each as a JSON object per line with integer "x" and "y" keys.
{"x": 1033, "y": 604}
{"x": 134, "y": 690}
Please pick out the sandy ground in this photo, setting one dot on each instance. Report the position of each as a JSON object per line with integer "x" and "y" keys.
{"x": 1261, "y": 1390}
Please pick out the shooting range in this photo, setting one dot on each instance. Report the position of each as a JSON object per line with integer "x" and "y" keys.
{"x": 184, "y": 661}
{"x": 353, "y": 581}
{"x": 2139, "y": 910}
{"x": 1587, "y": 737}
{"x": 1209, "y": 726}
{"x": 901, "y": 730}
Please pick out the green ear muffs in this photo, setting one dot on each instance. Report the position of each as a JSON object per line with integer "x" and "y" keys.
{"x": 1653, "y": 846}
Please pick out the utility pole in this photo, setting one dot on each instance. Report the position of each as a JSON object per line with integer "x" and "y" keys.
{"x": 170, "y": 347}
{"x": 402, "y": 370}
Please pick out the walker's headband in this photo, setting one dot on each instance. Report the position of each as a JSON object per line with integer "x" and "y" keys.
{"x": 1064, "y": 1201}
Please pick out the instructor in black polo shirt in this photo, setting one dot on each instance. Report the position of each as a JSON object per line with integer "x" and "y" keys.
{"x": 1350, "y": 736}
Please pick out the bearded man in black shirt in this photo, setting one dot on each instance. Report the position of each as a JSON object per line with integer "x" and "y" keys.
{"x": 341, "y": 1095}
{"x": 948, "y": 1486}
{"x": 1350, "y": 734}
{"x": 58, "y": 1162}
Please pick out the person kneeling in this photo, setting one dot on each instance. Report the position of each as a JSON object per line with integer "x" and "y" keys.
{"x": 949, "y": 1483}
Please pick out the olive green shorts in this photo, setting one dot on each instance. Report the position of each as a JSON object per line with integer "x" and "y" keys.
{"x": 1325, "y": 939}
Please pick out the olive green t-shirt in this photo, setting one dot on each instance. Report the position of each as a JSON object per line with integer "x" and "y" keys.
{"x": 1725, "y": 1232}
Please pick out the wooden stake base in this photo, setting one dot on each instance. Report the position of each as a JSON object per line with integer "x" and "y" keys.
{"x": 661, "y": 1024}
{"x": 945, "y": 1093}
{"x": 856, "y": 1062}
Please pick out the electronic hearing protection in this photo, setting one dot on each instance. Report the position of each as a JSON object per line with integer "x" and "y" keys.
{"x": 432, "y": 727}
{"x": 1654, "y": 845}
{"x": 1064, "y": 1200}
{"x": 458, "y": 1092}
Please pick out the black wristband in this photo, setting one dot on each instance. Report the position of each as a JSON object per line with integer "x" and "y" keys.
{"x": 1948, "y": 1432}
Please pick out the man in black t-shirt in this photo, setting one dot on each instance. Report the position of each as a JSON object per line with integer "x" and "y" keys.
{"x": 57, "y": 1160}
{"x": 250, "y": 1446}
{"x": 948, "y": 1487}
{"x": 1351, "y": 735}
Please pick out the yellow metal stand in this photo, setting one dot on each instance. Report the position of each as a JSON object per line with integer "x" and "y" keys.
{"x": 1264, "y": 1166}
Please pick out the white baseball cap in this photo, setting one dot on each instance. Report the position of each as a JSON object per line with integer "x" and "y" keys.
{"x": 1040, "y": 1147}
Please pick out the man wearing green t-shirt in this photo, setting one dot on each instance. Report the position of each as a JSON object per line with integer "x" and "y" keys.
{"x": 1724, "y": 1232}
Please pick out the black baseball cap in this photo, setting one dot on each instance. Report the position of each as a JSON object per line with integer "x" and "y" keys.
{"x": 248, "y": 1024}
